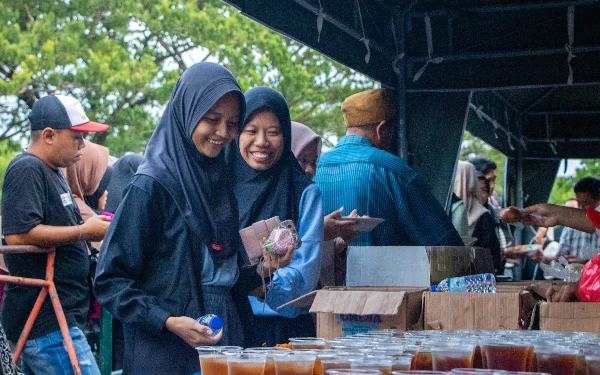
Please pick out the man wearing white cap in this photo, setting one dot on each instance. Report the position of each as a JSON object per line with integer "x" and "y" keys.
{"x": 38, "y": 209}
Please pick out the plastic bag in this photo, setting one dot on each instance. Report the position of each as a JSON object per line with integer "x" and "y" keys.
{"x": 282, "y": 238}
{"x": 589, "y": 283}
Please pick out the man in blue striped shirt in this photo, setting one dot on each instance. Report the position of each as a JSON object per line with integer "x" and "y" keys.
{"x": 359, "y": 174}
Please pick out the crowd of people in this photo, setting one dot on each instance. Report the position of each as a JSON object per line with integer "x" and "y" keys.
{"x": 155, "y": 239}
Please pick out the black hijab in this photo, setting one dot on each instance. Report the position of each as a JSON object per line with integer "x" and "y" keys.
{"x": 93, "y": 200}
{"x": 123, "y": 169}
{"x": 194, "y": 181}
{"x": 276, "y": 191}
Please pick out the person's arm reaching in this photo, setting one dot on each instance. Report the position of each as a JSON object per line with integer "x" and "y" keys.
{"x": 52, "y": 236}
{"x": 549, "y": 215}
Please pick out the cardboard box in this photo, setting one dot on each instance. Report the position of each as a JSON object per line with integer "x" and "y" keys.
{"x": 413, "y": 265}
{"x": 511, "y": 307}
{"x": 346, "y": 311}
{"x": 570, "y": 316}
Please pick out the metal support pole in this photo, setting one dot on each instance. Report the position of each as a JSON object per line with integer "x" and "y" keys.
{"x": 401, "y": 127}
{"x": 519, "y": 181}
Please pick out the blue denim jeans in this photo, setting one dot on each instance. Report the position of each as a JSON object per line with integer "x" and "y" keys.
{"x": 48, "y": 355}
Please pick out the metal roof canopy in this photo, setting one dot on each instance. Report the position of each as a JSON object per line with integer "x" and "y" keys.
{"x": 524, "y": 76}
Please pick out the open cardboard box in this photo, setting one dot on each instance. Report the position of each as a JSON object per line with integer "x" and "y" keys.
{"x": 413, "y": 265}
{"x": 513, "y": 306}
{"x": 350, "y": 310}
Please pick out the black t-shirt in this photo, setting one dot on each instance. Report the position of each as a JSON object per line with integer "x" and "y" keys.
{"x": 33, "y": 194}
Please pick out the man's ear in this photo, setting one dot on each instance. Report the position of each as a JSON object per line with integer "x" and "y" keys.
{"x": 48, "y": 135}
{"x": 381, "y": 129}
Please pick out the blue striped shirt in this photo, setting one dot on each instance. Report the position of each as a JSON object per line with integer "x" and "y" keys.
{"x": 357, "y": 175}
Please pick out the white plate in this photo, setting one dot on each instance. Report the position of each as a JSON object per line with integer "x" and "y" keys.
{"x": 529, "y": 249}
{"x": 364, "y": 224}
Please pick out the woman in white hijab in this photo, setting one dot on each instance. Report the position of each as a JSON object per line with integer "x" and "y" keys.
{"x": 480, "y": 222}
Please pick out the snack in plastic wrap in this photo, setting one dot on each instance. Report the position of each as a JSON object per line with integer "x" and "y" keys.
{"x": 569, "y": 272}
{"x": 282, "y": 238}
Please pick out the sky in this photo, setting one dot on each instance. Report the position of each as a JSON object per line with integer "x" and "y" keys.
{"x": 571, "y": 165}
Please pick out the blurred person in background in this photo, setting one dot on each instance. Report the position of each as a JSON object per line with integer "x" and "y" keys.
{"x": 358, "y": 173}
{"x": 306, "y": 146}
{"x": 481, "y": 225}
{"x": 39, "y": 209}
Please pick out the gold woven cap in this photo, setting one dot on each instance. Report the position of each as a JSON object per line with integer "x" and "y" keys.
{"x": 369, "y": 107}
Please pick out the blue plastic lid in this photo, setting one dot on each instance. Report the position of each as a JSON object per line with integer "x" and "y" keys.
{"x": 216, "y": 323}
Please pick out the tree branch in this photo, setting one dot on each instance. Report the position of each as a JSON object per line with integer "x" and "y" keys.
{"x": 97, "y": 18}
{"x": 29, "y": 16}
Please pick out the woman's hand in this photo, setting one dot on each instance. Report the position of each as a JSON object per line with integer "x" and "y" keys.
{"x": 192, "y": 332}
{"x": 272, "y": 262}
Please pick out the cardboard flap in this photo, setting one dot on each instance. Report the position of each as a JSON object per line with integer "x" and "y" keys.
{"x": 357, "y": 302}
{"x": 301, "y": 302}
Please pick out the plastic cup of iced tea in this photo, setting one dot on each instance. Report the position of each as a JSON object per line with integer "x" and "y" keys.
{"x": 556, "y": 360}
{"x": 475, "y": 371}
{"x": 268, "y": 351}
{"x": 246, "y": 364}
{"x": 423, "y": 360}
{"x": 592, "y": 361}
{"x": 506, "y": 356}
{"x": 383, "y": 364}
{"x": 294, "y": 363}
{"x": 352, "y": 372}
{"x": 213, "y": 359}
{"x": 313, "y": 343}
{"x": 403, "y": 362}
{"x": 446, "y": 356}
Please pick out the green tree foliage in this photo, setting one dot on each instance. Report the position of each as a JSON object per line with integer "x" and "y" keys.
{"x": 8, "y": 150}
{"x": 121, "y": 58}
{"x": 563, "y": 186}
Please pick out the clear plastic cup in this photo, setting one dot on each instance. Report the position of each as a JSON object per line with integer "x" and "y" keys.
{"x": 352, "y": 372}
{"x": 268, "y": 351}
{"x": 475, "y": 371}
{"x": 446, "y": 356}
{"x": 313, "y": 343}
{"x": 423, "y": 360}
{"x": 556, "y": 360}
{"x": 383, "y": 364}
{"x": 213, "y": 359}
{"x": 401, "y": 363}
{"x": 592, "y": 361}
{"x": 333, "y": 362}
{"x": 506, "y": 356}
{"x": 246, "y": 364}
{"x": 295, "y": 363}
{"x": 420, "y": 372}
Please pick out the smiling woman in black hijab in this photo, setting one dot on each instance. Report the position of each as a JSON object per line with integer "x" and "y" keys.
{"x": 169, "y": 256}
{"x": 269, "y": 182}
